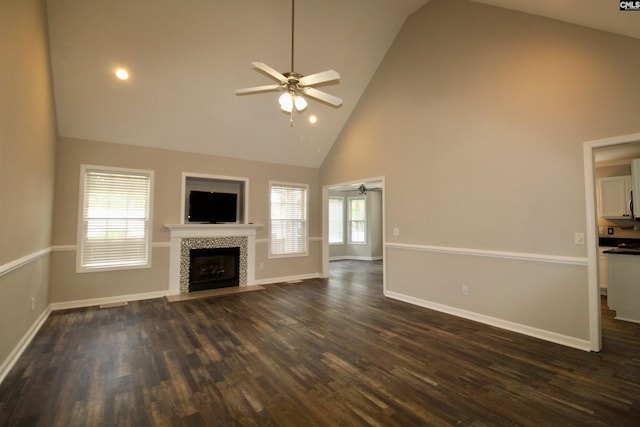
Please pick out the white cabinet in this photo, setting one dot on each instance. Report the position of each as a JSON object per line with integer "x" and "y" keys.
{"x": 623, "y": 293}
{"x": 615, "y": 196}
{"x": 603, "y": 271}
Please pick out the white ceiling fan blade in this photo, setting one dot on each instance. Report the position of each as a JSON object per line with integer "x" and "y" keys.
{"x": 324, "y": 76}
{"x": 322, "y": 96}
{"x": 270, "y": 71}
{"x": 257, "y": 89}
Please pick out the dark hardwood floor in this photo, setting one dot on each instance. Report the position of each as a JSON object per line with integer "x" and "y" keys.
{"x": 320, "y": 352}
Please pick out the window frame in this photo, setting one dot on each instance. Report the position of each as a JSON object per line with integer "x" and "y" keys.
{"x": 305, "y": 221}
{"x": 342, "y": 221}
{"x": 81, "y": 236}
{"x": 350, "y": 221}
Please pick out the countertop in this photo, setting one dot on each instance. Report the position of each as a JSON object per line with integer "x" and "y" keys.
{"x": 624, "y": 246}
{"x": 623, "y": 251}
{"x": 616, "y": 241}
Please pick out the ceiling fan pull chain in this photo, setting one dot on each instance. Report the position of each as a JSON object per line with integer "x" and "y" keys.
{"x": 291, "y": 119}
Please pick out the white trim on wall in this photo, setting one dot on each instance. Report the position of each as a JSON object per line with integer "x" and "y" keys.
{"x": 22, "y": 345}
{"x": 107, "y": 300}
{"x": 311, "y": 239}
{"x": 522, "y": 256}
{"x": 285, "y": 279}
{"x": 493, "y": 321}
{"x": 21, "y": 262}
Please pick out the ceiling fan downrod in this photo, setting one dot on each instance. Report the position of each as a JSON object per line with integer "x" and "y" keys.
{"x": 293, "y": 14}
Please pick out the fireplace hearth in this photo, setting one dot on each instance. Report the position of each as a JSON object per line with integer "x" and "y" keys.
{"x": 214, "y": 268}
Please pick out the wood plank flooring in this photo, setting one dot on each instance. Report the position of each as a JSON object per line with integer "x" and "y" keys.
{"x": 317, "y": 353}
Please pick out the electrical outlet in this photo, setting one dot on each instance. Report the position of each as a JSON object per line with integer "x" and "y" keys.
{"x": 465, "y": 290}
{"x": 396, "y": 231}
{"x": 578, "y": 238}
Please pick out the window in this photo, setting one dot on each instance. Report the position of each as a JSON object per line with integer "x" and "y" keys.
{"x": 336, "y": 220}
{"x": 358, "y": 220}
{"x": 115, "y": 216}
{"x": 288, "y": 219}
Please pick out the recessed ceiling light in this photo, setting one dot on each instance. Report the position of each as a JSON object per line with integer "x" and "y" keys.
{"x": 313, "y": 119}
{"x": 122, "y": 74}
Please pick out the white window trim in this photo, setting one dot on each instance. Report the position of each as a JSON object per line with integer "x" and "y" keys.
{"x": 342, "y": 241}
{"x": 80, "y": 233}
{"x": 366, "y": 225}
{"x": 306, "y": 221}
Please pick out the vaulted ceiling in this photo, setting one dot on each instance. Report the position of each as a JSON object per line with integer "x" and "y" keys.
{"x": 186, "y": 58}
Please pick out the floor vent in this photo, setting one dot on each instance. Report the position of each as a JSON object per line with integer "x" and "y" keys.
{"x": 114, "y": 304}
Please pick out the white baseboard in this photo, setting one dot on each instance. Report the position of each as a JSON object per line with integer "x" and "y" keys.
{"x": 626, "y": 319}
{"x": 287, "y": 279}
{"x": 554, "y": 337}
{"x": 13, "y": 357}
{"x": 107, "y": 300}
{"x": 355, "y": 258}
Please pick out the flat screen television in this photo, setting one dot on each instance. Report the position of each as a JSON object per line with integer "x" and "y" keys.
{"x": 206, "y": 206}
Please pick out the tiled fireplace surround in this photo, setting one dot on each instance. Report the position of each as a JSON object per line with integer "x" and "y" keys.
{"x": 184, "y": 237}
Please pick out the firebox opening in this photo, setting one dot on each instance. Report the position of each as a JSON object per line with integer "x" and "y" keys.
{"x": 213, "y": 268}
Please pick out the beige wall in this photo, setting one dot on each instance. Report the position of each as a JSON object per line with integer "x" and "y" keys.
{"x": 476, "y": 118}
{"x": 168, "y": 166}
{"x": 27, "y": 147}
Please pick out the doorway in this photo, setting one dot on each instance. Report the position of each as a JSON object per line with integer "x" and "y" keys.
{"x": 597, "y": 152}
{"x": 358, "y": 229}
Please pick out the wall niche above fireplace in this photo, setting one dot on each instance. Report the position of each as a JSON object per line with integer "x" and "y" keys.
{"x": 214, "y": 199}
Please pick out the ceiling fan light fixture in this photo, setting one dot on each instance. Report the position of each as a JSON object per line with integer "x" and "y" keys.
{"x": 300, "y": 102}
{"x": 286, "y": 102}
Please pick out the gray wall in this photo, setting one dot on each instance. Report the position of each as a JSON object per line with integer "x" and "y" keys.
{"x": 476, "y": 118}
{"x": 27, "y": 154}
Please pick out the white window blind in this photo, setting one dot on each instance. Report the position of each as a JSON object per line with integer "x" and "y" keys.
{"x": 115, "y": 215}
{"x": 336, "y": 220}
{"x": 358, "y": 220}
{"x": 288, "y": 219}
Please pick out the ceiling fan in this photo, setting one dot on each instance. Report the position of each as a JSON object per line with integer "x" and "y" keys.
{"x": 295, "y": 85}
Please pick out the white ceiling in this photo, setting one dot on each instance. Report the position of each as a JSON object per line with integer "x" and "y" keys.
{"x": 186, "y": 58}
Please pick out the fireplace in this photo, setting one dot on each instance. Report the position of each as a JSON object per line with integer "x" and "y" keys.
{"x": 188, "y": 237}
{"x": 213, "y": 268}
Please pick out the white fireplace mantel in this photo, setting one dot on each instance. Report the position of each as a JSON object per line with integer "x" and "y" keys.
{"x": 185, "y": 231}
{"x": 212, "y": 230}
